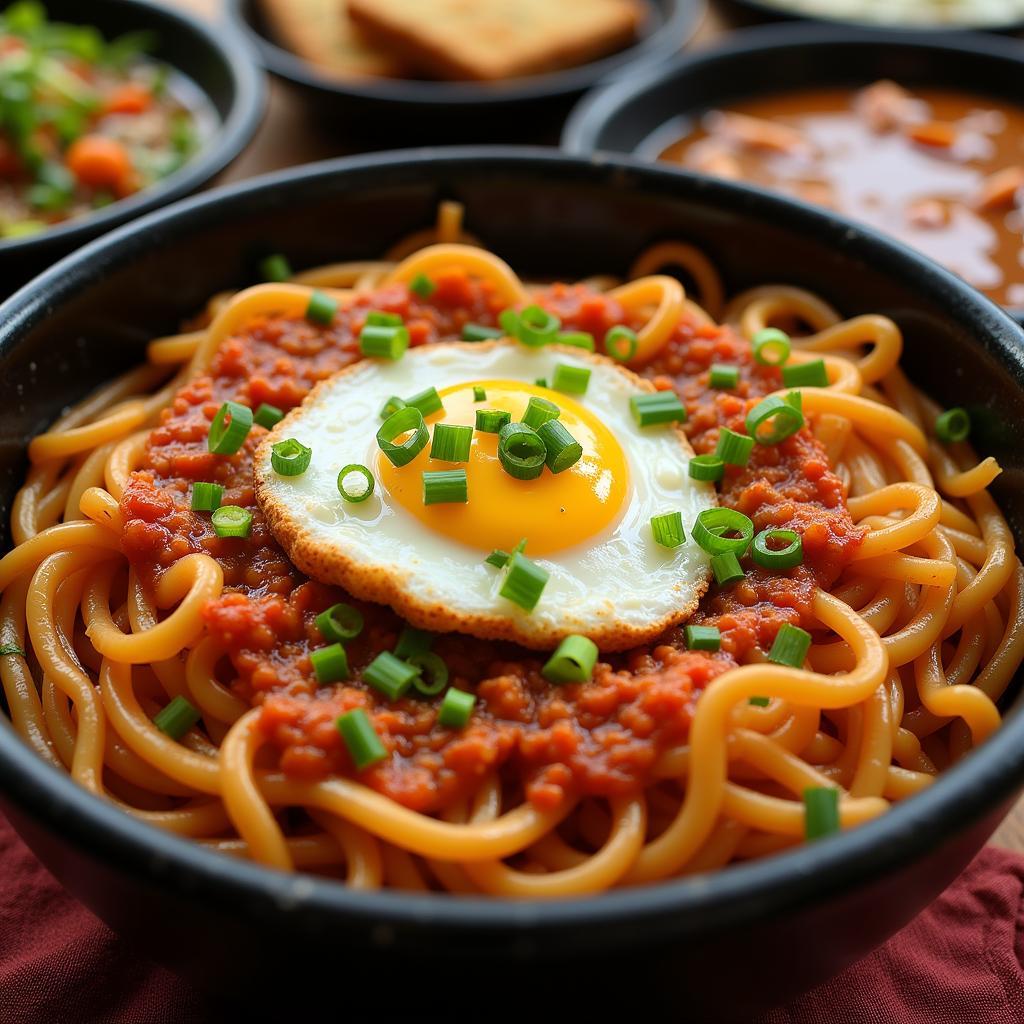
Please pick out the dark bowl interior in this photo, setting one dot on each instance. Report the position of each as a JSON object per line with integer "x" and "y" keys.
{"x": 624, "y": 117}
{"x": 725, "y": 944}
{"x": 219, "y": 62}
{"x": 525, "y": 109}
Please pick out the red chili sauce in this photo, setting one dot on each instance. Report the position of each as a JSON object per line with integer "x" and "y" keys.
{"x": 596, "y": 738}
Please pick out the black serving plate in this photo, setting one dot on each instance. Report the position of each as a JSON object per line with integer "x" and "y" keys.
{"x": 628, "y": 116}
{"x": 382, "y": 111}
{"x": 216, "y": 60}
{"x": 722, "y": 945}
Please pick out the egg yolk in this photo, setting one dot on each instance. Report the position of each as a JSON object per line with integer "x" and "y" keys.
{"x": 553, "y": 511}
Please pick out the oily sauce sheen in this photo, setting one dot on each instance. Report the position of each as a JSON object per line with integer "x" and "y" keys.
{"x": 598, "y": 738}
{"x": 940, "y": 170}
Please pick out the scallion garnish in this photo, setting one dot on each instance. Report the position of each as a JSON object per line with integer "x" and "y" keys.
{"x": 340, "y": 623}
{"x": 276, "y": 268}
{"x": 321, "y": 309}
{"x": 781, "y": 419}
{"x": 451, "y": 442}
{"x": 953, "y": 425}
{"x": 760, "y": 702}
{"x": 786, "y": 557}
{"x": 405, "y": 421}
{"x": 573, "y": 661}
{"x": 707, "y": 467}
{"x": 790, "y": 647}
{"x": 11, "y": 651}
{"x": 290, "y": 457}
{"x": 490, "y": 421}
{"x": 422, "y": 286}
{"x": 521, "y": 451}
{"x": 821, "y": 812}
{"x": 621, "y": 343}
{"x": 361, "y": 739}
{"x": 229, "y": 429}
{"x": 206, "y": 497}
{"x": 477, "y": 332}
{"x": 428, "y": 401}
{"x": 723, "y": 377}
{"x": 703, "y": 638}
{"x": 657, "y": 408}
{"x": 456, "y": 707}
{"x": 727, "y": 568}
{"x": 667, "y": 529}
{"x": 771, "y": 346}
{"x": 330, "y": 664}
{"x": 805, "y": 375}
{"x": 345, "y": 489}
{"x": 268, "y": 416}
{"x": 563, "y": 450}
{"x": 389, "y": 675}
{"x": 378, "y": 318}
{"x": 413, "y": 641}
{"x": 388, "y": 342}
{"x": 498, "y": 558}
{"x": 445, "y": 487}
{"x": 391, "y": 406}
{"x": 576, "y": 339}
{"x": 536, "y": 326}
{"x": 541, "y": 382}
{"x": 712, "y": 524}
{"x": 732, "y": 448}
{"x": 436, "y": 671}
{"x": 573, "y": 380}
{"x": 231, "y": 521}
{"x": 540, "y": 410}
{"x": 176, "y": 718}
{"x": 524, "y": 581}
{"x": 479, "y": 393}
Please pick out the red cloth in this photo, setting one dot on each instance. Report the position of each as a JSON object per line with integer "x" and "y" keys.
{"x": 960, "y": 962}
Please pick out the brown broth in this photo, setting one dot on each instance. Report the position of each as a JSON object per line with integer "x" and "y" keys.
{"x": 924, "y": 195}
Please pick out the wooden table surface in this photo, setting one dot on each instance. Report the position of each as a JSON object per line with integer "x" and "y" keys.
{"x": 287, "y": 137}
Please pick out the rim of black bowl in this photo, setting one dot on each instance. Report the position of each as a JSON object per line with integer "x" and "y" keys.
{"x": 666, "y": 40}
{"x": 963, "y": 796}
{"x": 232, "y": 135}
{"x": 584, "y": 128}
{"x": 768, "y": 8}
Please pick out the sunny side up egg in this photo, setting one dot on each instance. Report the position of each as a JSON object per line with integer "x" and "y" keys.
{"x": 588, "y": 526}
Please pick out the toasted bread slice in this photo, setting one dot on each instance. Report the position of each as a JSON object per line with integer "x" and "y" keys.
{"x": 321, "y": 32}
{"x": 489, "y": 40}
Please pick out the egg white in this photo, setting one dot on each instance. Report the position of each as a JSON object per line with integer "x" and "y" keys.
{"x": 620, "y": 587}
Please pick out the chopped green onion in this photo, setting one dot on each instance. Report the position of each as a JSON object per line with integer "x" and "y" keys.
{"x": 361, "y": 739}
{"x": 707, "y": 467}
{"x": 206, "y": 497}
{"x": 389, "y": 675}
{"x": 445, "y": 487}
{"x": 821, "y": 812}
{"x": 703, "y": 638}
{"x": 727, "y": 568}
{"x": 340, "y": 623}
{"x": 428, "y": 401}
{"x": 771, "y": 346}
{"x": 563, "y": 450}
{"x": 413, "y": 641}
{"x": 231, "y": 521}
{"x": 541, "y": 382}
{"x": 953, "y": 425}
{"x": 391, "y": 406}
{"x": 290, "y": 457}
{"x": 384, "y": 341}
{"x": 778, "y": 415}
{"x": 659, "y": 407}
{"x": 805, "y": 375}
{"x": 576, "y": 339}
{"x": 668, "y": 529}
{"x": 724, "y": 376}
{"x": 11, "y": 650}
{"x": 435, "y": 668}
{"x": 490, "y": 421}
{"x": 791, "y": 646}
{"x": 377, "y": 318}
{"x": 422, "y": 286}
{"x": 479, "y": 393}
{"x": 573, "y": 380}
{"x": 621, "y": 344}
{"x": 573, "y": 661}
{"x": 346, "y": 491}
{"x": 456, "y": 707}
{"x": 268, "y": 416}
{"x": 451, "y": 442}
{"x": 778, "y": 558}
{"x": 732, "y": 448}
{"x": 230, "y": 428}
{"x": 498, "y": 558}
{"x": 321, "y": 309}
{"x": 276, "y": 268}
{"x": 796, "y": 399}
{"x": 537, "y": 327}
{"x": 405, "y": 421}
{"x": 521, "y": 451}
{"x": 540, "y": 410}
{"x": 330, "y": 664}
{"x": 712, "y": 524}
{"x": 524, "y": 581}
{"x": 760, "y": 702}
{"x": 477, "y": 332}
{"x": 176, "y": 718}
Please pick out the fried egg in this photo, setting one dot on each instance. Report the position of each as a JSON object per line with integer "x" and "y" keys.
{"x": 588, "y": 526}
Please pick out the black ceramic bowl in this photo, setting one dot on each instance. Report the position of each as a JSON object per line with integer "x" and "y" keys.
{"x": 219, "y": 62}
{"x": 730, "y": 942}
{"x": 524, "y": 109}
{"x": 625, "y": 117}
{"x": 1007, "y": 21}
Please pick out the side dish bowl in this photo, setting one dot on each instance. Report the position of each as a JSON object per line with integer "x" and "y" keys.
{"x": 727, "y": 944}
{"x": 218, "y": 63}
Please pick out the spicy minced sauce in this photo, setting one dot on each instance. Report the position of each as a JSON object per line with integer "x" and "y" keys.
{"x": 596, "y": 738}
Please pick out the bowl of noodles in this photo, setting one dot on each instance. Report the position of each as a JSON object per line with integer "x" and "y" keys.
{"x": 688, "y": 648}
